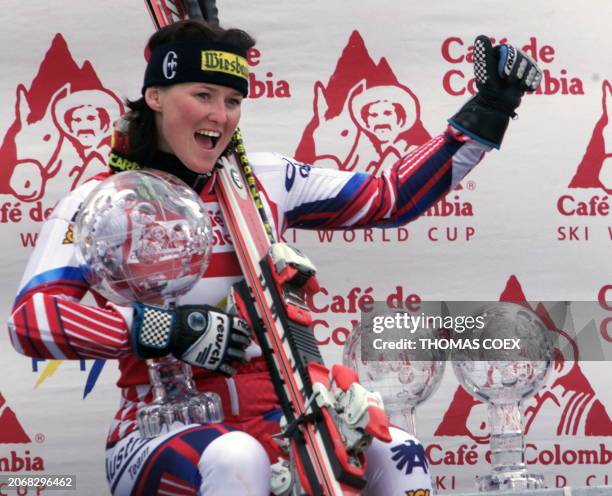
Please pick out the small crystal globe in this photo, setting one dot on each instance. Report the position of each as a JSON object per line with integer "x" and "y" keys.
{"x": 505, "y": 375}
{"x": 404, "y": 380}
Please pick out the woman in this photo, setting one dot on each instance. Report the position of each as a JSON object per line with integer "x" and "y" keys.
{"x": 194, "y": 84}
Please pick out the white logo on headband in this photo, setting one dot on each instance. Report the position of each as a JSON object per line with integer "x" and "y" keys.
{"x": 169, "y": 64}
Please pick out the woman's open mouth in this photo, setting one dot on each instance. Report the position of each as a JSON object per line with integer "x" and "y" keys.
{"x": 207, "y": 139}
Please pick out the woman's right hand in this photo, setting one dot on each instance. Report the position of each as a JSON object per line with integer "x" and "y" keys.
{"x": 201, "y": 335}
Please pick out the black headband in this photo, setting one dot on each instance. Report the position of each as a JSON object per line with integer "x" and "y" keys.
{"x": 198, "y": 61}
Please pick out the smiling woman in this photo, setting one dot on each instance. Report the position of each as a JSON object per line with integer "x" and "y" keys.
{"x": 194, "y": 84}
{"x": 195, "y": 121}
{"x": 195, "y": 81}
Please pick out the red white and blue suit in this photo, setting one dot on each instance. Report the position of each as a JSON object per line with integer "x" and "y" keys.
{"x": 49, "y": 320}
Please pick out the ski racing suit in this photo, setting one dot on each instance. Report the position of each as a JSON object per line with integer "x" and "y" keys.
{"x": 231, "y": 458}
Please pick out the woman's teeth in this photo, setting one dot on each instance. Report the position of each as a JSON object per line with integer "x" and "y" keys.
{"x": 208, "y": 139}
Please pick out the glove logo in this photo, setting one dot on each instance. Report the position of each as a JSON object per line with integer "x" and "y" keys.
{"x": 212, "y": 353}
{"x": 197, "y": 321}
{"x": 219, "y": 341}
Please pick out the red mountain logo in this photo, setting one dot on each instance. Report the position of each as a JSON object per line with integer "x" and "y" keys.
{"x": 568, "y": 397}
{"x": 595, "y": 169}
{"x": 364, "y": 118}
{"x": 61, "y": 133}
{"x": 11, "y": 431}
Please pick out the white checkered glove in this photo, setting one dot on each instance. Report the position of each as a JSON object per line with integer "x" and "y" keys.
{"x": 200, "y": 335}
{"x": 503, "y": 74}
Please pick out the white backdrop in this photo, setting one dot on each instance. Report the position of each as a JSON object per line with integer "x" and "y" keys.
{"x": 515, "y": 225}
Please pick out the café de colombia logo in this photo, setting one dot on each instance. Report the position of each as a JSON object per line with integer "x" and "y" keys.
{"x": 61, "y": 133}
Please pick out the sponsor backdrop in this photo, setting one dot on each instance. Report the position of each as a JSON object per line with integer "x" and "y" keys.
{"x": 532, "y": 221}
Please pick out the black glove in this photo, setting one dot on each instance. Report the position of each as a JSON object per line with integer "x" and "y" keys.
{"x": 503, "y": 74}
{"x": 200, "y": 335}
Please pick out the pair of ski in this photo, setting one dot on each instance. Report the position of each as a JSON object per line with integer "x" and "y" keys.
{"x": 329, "y": 417}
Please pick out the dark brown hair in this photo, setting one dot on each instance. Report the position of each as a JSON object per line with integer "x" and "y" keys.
{"x": 142, "y": 135}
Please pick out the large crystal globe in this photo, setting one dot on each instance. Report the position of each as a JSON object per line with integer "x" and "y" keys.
{"x": 144, "y": 236}
{"x": 406, "y": 380}
{"x": 505, "y": 375}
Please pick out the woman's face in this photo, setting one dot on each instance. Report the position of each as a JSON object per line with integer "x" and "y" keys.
{"x": 195, "y": 121}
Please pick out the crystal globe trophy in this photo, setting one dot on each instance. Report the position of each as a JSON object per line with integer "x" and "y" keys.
{"x": 502, "y": 378}
{"x": 144, "y": 236}
{"x": 404, "y": 378}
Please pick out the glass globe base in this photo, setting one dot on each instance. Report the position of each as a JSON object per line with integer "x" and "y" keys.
{"x": 505, "y": 481}
{"x": 154, "y": 420}
{"x": 176, "y": 399}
